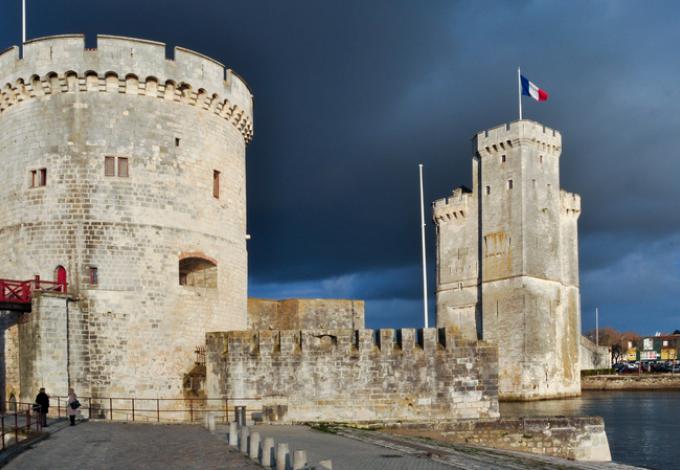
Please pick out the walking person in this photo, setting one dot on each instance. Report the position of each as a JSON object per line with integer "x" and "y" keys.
{"x": 72, "y": 405}
{"x": 43, "y": 400}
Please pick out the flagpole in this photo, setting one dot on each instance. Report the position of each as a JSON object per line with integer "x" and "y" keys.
{"x": 23, "y": 22}
{"x": 519, "y": 92}
{"x": 422, "y": 236}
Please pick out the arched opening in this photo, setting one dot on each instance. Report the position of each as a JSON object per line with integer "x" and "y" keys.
{"x": 196, "y": 271}
{"x": 60, "y": 277}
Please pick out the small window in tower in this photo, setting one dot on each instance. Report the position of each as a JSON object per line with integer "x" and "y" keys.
{"x": 540, "y": 159}
{"x": 176, "y": 141}
{"x": 509, "y": 184}
{"x": 123, "y": 167}
{"x": 216, "y": 184}
{"x": 93, "y": 275}
{"x": 109, "y": 166}
{"x": 488, "y": 190}
{"x": 533, "y": 183}
{"x": 39, "y": 178}
{"x": 503, "y": 158}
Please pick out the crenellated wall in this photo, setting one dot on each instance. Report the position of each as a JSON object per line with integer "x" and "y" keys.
{"x": 355, "y": 375}
{"x": 62, "y": 64}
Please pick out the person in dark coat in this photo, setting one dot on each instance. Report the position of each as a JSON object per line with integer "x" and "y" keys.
{"x": 43, "y": 400}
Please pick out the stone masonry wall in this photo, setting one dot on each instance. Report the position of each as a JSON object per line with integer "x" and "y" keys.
{"x": 594, "y": 357}
{"x": 574, "y": 438}
{"x": 43, "y": 349}
{"x": 355, "y": 376}
{"x": 305, "y": 314}
{"x": 9, "y": 355}
{"x": 64, "y": 109}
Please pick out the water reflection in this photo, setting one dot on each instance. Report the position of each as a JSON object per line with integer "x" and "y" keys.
{"x": 642, "y": 427}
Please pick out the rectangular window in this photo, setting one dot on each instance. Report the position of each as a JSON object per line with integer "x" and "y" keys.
{"x": 488, "y": 190}
{"x": 540, "y": 159}
{"x": 123, "y": 167}
{"x": 39, "y": 178}
{"x": 116, "y": 166}
{"x": 216, "y": 184}
{"x": 94, "y": 276}
{"x": 109, "y": 166}
{"x": 503, "y": 158}
{"x": 509, "y": 184}
{"x": 176, "y": 141}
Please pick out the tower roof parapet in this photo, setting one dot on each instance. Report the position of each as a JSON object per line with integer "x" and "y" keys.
{"x": 504, "y": 137}
{"x": 570, "y": 203}
{"x": 453, "y": 208}
{"x": 192, "y": 74}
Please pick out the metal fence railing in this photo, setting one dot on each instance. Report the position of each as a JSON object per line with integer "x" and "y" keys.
{"x": 159, "y": 410}
{"x": 18, "y": 421}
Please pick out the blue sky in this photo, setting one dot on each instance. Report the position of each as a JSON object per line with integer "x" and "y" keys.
{"x": 350, "y": 96}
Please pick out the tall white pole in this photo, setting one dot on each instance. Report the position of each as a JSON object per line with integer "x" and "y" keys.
{"x": 422, "y": 236}
{"x": 597, "y": 326}
{"x": 519, "y": 92}
{"x": 23, "y": 21}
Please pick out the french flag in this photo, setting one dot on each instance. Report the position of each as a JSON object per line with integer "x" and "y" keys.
{"x": 530, "y": 89}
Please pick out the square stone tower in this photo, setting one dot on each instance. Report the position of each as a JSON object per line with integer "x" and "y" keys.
{"x": 507, "y": 261}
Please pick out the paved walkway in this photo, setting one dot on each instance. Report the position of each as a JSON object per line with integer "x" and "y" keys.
{"x": 352, "y": 449}
{"x": 345, "y": 453}
{"x": 103, "y": 446}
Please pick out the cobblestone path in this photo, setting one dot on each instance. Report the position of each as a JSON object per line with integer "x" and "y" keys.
{"x": 104, "y": 446}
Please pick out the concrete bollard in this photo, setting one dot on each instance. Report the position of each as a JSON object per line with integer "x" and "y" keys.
{"x": 233, "y": 434}
{"x": 299, "y": 459}
{"x": 211, "y": 422}
{"x": 326, "y": 464}
{"x": 243, "y": 444}
{"x": 267, "y": 452}
{"x": 254, "y": 446}
{"x": 282, "y": 456}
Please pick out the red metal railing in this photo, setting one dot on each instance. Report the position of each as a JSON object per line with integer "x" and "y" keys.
{"x": 19, "y": 423}
{"x": 19, "y": 292}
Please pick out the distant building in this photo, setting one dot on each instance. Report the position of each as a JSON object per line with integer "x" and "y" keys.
{"x": 659, "y": 348}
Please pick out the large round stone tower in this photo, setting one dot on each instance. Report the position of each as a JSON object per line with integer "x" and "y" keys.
{"x": 123, "y": 174}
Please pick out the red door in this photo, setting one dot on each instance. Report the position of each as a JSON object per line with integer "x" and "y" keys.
{"x": 61, "y": 277}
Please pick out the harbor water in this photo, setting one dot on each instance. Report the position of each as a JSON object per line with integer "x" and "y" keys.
{"x": 643, "y": 427}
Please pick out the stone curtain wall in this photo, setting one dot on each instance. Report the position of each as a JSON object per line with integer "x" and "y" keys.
{"x": 305, "y": 314}
{"x": 65, "y": 108}
{"x": 594, "y": 357}
{"x": 355, "y": 376}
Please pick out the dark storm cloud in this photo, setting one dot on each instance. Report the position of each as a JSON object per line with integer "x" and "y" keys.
{"x": 350, "y": 96}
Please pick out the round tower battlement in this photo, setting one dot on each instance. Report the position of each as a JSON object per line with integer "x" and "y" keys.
{"x": 62, "y": 64}
{"x": 497, "y": 140}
